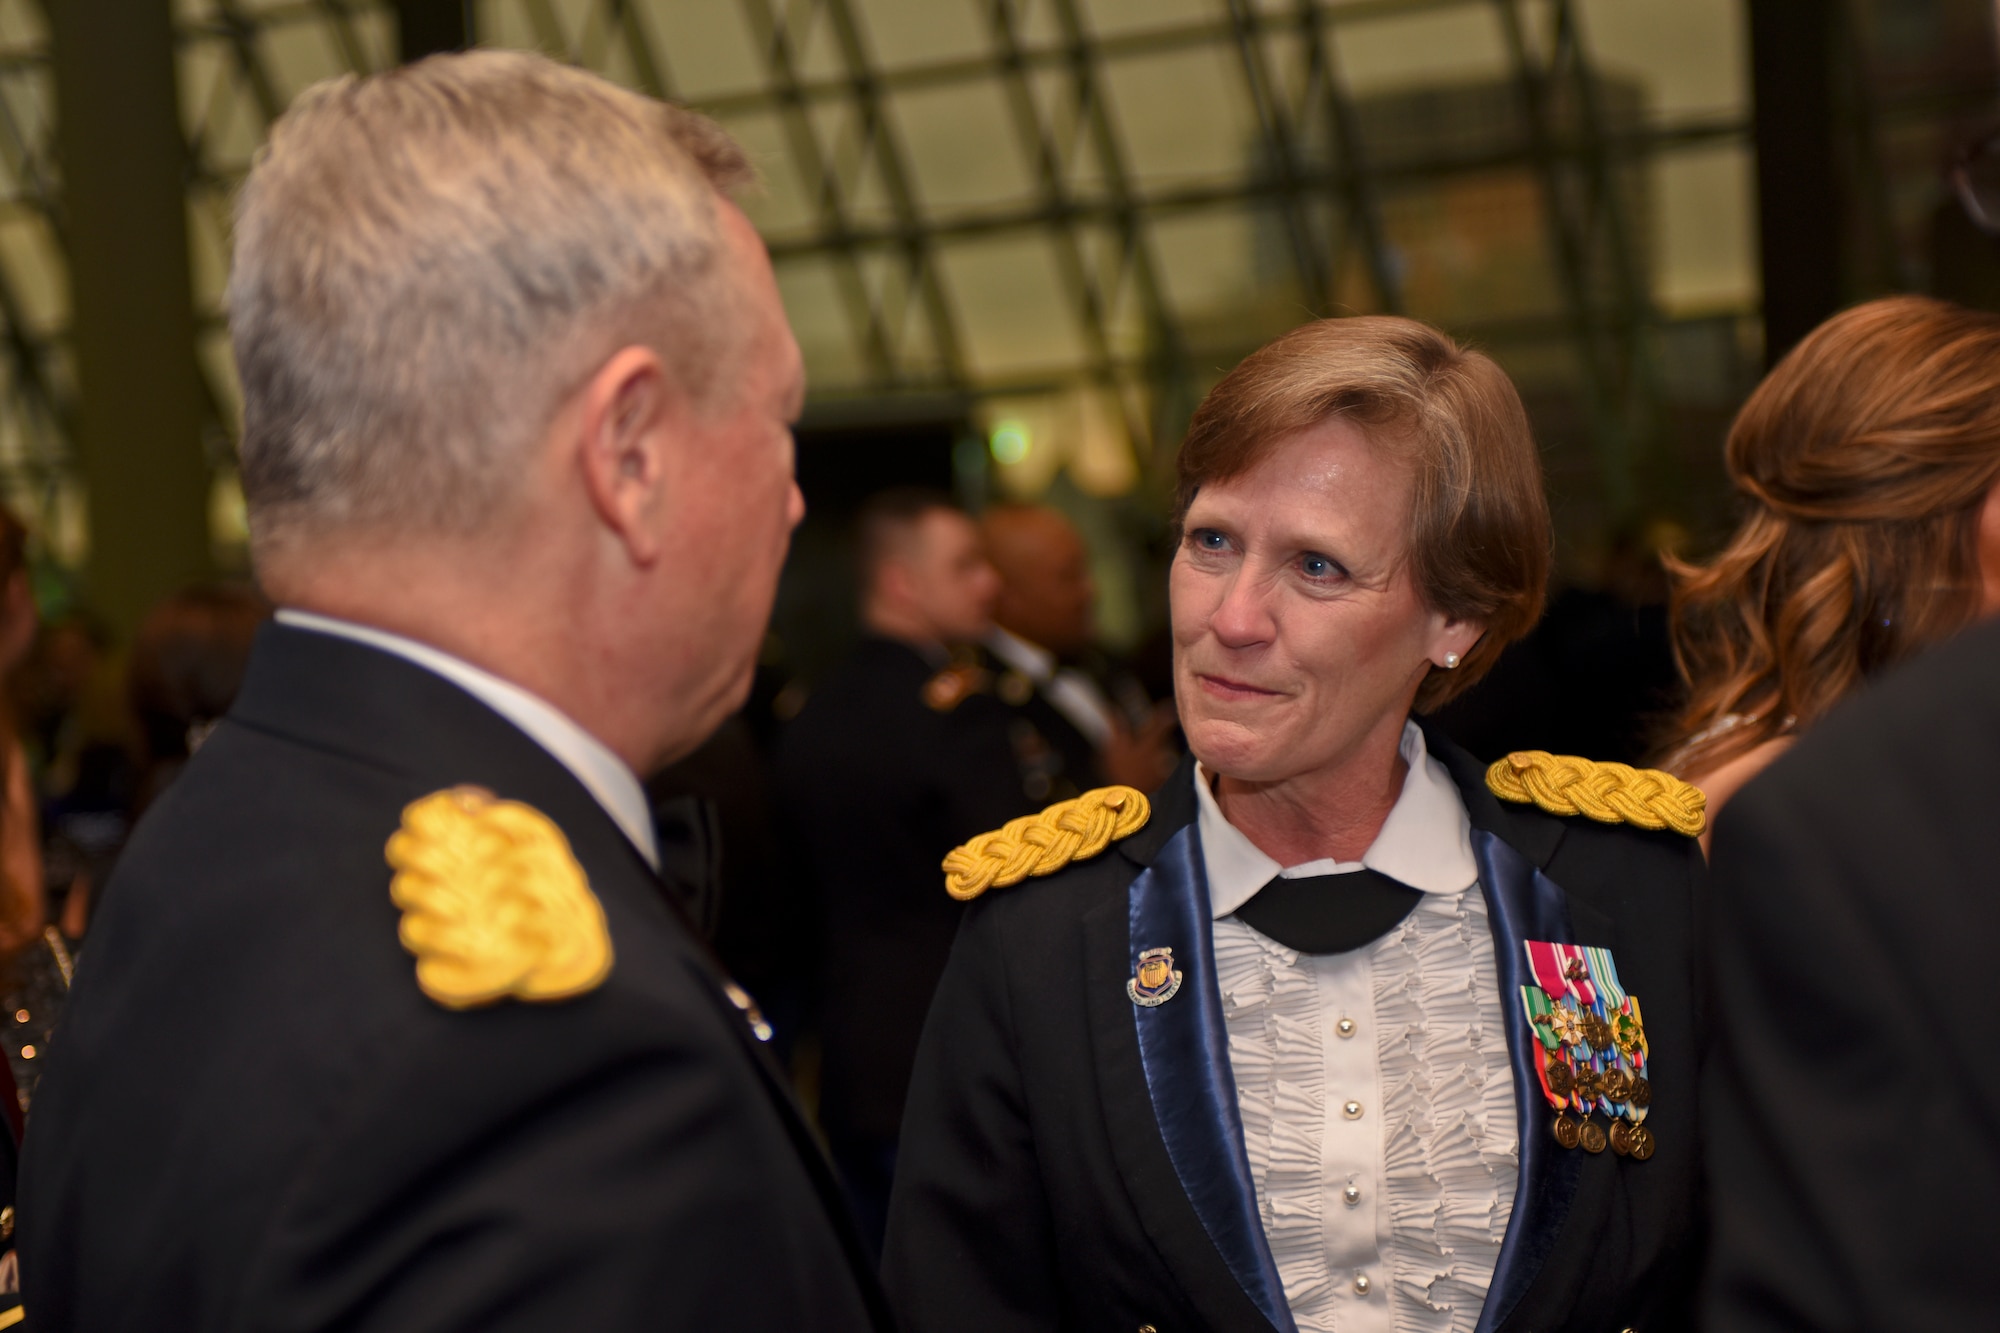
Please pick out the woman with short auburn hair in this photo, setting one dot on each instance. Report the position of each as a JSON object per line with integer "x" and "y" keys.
{"x": 1328, "y": 1032}
{"x": 1869, "y": 459}
{"x": 1480, "y": 537}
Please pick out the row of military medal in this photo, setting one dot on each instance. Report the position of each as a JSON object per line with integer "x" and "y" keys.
{"x": 1594, "y": 1043}
{"x": 1626, "y": 1137}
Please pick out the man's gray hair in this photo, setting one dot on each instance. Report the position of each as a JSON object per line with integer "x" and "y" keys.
{"x": 430, "y": 260}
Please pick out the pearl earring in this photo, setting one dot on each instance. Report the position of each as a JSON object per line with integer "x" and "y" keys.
{"x": 1451, "y": 661}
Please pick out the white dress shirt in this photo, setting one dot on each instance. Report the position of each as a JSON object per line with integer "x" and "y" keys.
{"x": 1375, "y": 1089}
{"x": 603, "y": 774}
{"x": 1069, "y": 691}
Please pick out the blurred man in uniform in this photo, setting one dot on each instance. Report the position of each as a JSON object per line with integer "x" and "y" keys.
{"x": 899, "y": 754}
{"x": 1068, "y": 728}
{"x": 387, "y": 1022}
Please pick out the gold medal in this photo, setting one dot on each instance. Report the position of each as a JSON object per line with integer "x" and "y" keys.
{"x": 1592, "y": 1137}
{"x": 1587, "y": 1084}
{"x": 1641, "y": 1095}
{"x": 1568, "y": 1132}
{"x": 1643, "y": 1143}
{"x": 1615, "y": 1084}
{"x": 1621, "y": 1138}
{"x": 1629, "y": 1034}
{"x": 1561, "y": 1077}
{"x": 1597, "y": 1032}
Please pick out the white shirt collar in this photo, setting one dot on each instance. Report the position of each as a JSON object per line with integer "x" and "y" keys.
{"x": 1030, "y": 659}
{"x": 1426, "y": 842}
{"x": 603, "y": 774}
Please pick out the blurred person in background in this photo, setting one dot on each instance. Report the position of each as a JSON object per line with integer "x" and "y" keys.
{"x": 23, "y": 903}
{"x": 1868, "y": 458}
{"x": 1328, "y": 1032}
{"x": 187, "y": 663}
{"x": 1043, "y": 647}
{"x": 387, "y": 1019}
{"x": 76, "y": 720}
{"x": 35, "y": 964}
{"x": 899, "y": 753}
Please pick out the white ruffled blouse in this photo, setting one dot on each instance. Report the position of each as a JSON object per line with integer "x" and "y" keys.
{"x": 1374, "y": 1086}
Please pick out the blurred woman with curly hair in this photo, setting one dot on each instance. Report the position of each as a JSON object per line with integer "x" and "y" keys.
{"x": 1869, "y": 459}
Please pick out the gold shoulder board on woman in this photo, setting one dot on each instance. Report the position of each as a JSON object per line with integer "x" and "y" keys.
{"x": 1563, "y": 784}
{"x": 1042, "y": 844}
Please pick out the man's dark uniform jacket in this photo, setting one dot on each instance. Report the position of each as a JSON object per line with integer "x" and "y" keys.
{"x": 256, "y": 1119}
{"x": 884, "y": 771}
{"x": 1056, "y": 760}
{"x": 1074, "y": 1161}
{"x": 1852, "y": 1097}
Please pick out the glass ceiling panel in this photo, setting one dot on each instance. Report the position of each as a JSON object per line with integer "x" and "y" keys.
{"x": 1381, "y": 49}
{"x": 1111, "y": 18}
{"x": 963, "y": 146}
{"x": 918, "y": 32}
{"x": 782, "y": 202}
{"x": 1705, "y": 248}
{"x": 817, "y": 308}
{"x": 33, "y": 261}
{"x": 1017, "y": 320}
{"x": 706, "y": 47}
{"x": 1692, "y": 54}
{"x": 1183, "y": 115}
{"x": 1207, "y": 259}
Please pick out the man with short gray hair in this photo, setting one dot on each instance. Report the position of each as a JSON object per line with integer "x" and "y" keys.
{"x": 388, "y": 1021}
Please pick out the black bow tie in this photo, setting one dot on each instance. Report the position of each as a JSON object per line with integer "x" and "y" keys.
{"x": 1329, "y": 913}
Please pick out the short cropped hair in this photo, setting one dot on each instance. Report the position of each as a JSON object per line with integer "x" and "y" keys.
{"x": 429, "y": 260}
{"x": 1480, "y": 538}
{"x": 885, "y": 521}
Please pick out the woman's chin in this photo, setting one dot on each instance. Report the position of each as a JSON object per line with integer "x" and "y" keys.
{"x": 1232, "y": 750}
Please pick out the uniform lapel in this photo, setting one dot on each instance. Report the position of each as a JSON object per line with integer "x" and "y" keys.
{"x": 1523, "y": 904}
{"x": 1511, "y": 847}
{"x": 1169, "y": 1097}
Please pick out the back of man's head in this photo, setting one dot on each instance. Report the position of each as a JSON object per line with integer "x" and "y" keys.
{"x": 427, "y": 262}
{"x": 888, "y": 525}
{"x": 923, "y": 574}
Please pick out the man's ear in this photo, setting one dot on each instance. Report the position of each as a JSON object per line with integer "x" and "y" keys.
{"x": 628, "y": 415}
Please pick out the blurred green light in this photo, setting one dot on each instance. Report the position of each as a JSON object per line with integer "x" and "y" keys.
{"x": 1009, "y": 442}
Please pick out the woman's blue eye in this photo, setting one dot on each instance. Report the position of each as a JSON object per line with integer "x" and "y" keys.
{"x": 1319, "y": 567}
{"x": 1208, "y": 539}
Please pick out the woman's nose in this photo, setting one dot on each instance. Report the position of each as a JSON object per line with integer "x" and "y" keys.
{"x": 1243, "y": 617}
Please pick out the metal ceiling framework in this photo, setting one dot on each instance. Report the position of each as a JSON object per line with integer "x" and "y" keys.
{"x": 1310, "y": 172}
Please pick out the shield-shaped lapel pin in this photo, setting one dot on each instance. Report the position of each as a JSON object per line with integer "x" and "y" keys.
{"x": 1157, "y": 979}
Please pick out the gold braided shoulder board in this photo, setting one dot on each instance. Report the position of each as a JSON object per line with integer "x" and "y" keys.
{"x": 1610, "y": 793}
{"x": 494, "y": 903}
{"x": 1043, "y": 844}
